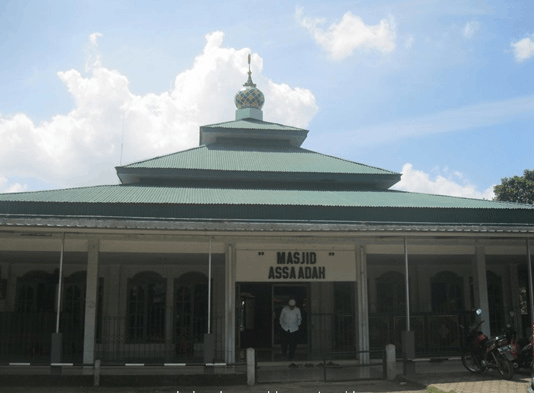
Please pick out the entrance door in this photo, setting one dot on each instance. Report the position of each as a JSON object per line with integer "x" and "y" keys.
{"x": 281, "y": 295}
{"x": 255, "y": 314}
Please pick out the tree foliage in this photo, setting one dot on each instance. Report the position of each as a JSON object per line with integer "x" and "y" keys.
{"x": 516, "y": 189}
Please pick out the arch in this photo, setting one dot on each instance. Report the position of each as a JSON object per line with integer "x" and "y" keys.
{"x": 74, "y": 293}
{"x": 190, "y": 311}
{"x": 73, "y": 312}
{"x": 147, "y": 276}
{"x": 36, "y": 292}
{"x": 194, "y": 277}
{"x": 147, "y": 292}
{"x": 390, "y": 292}
{"x": 447, "y": 293}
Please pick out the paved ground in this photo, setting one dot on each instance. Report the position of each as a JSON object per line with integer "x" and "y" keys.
{"x": 438, "y": 383}
{"x": 439, "y": 378}
{"x": 469, "y": 383}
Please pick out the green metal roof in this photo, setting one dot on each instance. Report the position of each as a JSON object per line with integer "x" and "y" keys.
{"x": 184, "y": 195}
{"x": 127, "y": 201}
{"x": 246, "y": 152}
{"x": 252, "y": 130}
{"x": 256, "y": 171}
{"x": 253, "y": 124}
{"x": 259, "y": 159}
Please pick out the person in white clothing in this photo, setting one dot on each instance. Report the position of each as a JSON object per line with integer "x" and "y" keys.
{"x": 290, "y": 319}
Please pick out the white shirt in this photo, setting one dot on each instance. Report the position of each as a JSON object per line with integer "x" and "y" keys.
{"x": 290, "y": 319}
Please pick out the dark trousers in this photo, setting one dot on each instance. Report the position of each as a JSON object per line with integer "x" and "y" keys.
{"x": 289, "y": 341}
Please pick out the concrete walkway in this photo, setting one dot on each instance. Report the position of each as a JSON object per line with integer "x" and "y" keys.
{"x": 446, "y": 377}
{"x": 450, "y": 376}
{"x": 456, "y": 383}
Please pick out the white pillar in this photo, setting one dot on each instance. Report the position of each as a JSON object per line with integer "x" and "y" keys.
{"x": 229, "y": 315}
{"x": 91, "y": 300}
{"x": 251, "y": 366}
{"x": 391, "y": 363}
{"x": 363, "y": 305}
{"x": 481, "y": 287}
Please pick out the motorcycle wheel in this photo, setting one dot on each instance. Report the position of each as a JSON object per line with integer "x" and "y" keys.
{"x": 505, "y": 368}
{"x": 471, "y": 363}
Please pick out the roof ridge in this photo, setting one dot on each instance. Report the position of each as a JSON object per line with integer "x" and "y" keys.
{"x": 157, "y": 157}
{"x": 437, "y": 195}
{"x": 59, "y": 189}
{"x": 464, "y": 197}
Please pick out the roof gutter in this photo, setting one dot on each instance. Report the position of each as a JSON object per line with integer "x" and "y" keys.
{"x": 143, "y": 224}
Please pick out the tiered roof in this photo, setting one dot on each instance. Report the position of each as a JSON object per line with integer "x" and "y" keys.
{"x": 256, "y": 171}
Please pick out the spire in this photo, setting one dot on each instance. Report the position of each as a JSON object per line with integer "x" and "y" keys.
{"x": 249, "y": 100}
{"x": 249, "y": 82}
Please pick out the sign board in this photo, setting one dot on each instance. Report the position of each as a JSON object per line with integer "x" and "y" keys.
{"x": 295, "y": 266}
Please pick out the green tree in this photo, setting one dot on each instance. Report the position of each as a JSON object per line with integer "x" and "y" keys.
{"x": 516, "y": 189}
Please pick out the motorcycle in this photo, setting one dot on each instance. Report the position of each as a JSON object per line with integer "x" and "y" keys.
{"x": 521, "y": 348}
{"x": 483, "y": 353}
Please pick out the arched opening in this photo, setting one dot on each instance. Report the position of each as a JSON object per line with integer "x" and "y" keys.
{"x": 73, "y": 312}
{"x": 447, "y": 303}
{"x": 36, "y": 292}
{"x": 447, "y": 293}
{"x": 190, "y": 311}
{"x": 34, "y": 319}
{"x": 146, "y": 308}
{"x": 391, "y": 293}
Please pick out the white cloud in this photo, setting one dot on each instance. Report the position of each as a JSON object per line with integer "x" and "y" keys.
{"x": 6, "y": 186}
{"x": 341, "y": 39}
{"x": 523, "y": 49}
{"x": 93, "y": 37}
{"x": 83, "y": 146}
{"x": 409, "y": 41}
{"x": 93, "y": 55}
{"x": 443, "y": 183}
{"x": 471, "y": 28}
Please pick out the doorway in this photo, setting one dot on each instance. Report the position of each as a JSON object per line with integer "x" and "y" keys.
{"x": 281, "y": 295}
{"x": 259, "y": 307}
{"x": 254, "y": 317}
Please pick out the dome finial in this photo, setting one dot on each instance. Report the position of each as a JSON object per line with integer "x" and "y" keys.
{"x": 249, "y": 81}
{"x": 249, "y": 100}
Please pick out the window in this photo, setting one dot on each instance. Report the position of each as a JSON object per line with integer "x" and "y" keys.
{"x": 447, "y": 292}
{"x": 344, "y": 322}
{"x": 190, "y": 310}
{"x": 36, "y": 292}
{"x": 146, "y": 308}
{"x": 496, "y": 301}
{"x": 73, "y": 312}
{"x": 391, "y": 293}
{"x": 74, "y": 297}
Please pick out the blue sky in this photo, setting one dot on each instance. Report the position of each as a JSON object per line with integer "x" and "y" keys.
{"x": 441, "y": 91}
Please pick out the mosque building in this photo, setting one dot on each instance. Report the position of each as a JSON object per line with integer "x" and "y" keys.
{"x": 193, "y": 255}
